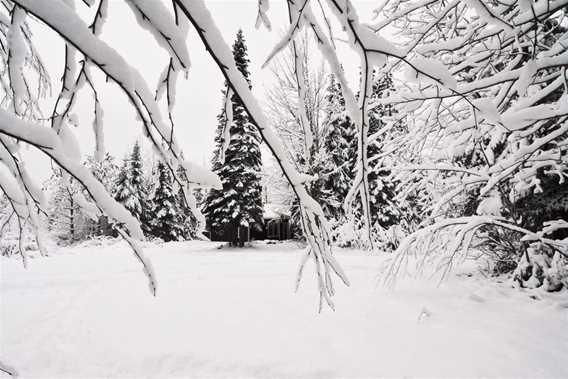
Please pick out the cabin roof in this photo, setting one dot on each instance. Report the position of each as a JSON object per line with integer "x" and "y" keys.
{"x": 274, "y": 211}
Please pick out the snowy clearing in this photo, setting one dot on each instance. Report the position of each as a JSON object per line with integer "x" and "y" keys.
{"x": 87, "y": 312}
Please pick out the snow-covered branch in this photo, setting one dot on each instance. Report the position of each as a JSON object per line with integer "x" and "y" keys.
{"x": 315, "y": 224}
{"x": 59, "y": 149}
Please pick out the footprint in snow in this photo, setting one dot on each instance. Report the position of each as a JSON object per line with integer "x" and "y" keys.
{"x": 476, "y": 298}
{"x": 424, "y": 315}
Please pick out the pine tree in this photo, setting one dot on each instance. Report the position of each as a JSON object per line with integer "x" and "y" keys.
{"x": 123, "y": 188}
{"x": 341, "y": 144}
{"x": 130, "y": 188}
{"x": 187, "y": 218}
{"x": 240, "y": 201}
{"x": 338, "y": 143}
{"x": 382, "y": 189}
{"x": 167, "y": 223}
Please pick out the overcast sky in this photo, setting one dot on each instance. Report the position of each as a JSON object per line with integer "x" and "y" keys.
{"x": 198, "y": 98}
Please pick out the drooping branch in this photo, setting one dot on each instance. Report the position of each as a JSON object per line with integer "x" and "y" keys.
{"x": 146, "y": 264}
{"x": 51, "y": 144}
{"x": 73, "y": 30}
{"x": 8, "y": 370}
{"x": 446, "y": 243}
{"x": 316, "y": 227}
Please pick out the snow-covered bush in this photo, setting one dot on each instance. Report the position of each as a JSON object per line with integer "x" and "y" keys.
{"x": 12, "y": 243}
{"x": 345, "y": 234}
{"x": 8, "y": 246}
{"x": 500, "y": 249}
{"x": 99, "y": 241}
{"x": 541, "y": 266}
{"x": 489, "y": 126}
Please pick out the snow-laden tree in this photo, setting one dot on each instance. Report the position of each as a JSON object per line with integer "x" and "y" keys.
{"x": 6, "y": 214}
{"x": 129, "y": 186}
{"x": 106, "y": 171}
{"x": 66, "y": 221}
{"x": 340, "y": 155}
{"x": 382, "y": 191}
{"x": 189, "y": 221}
{"x": 237, "y": 161}
{"x": 298, "y": 112}
{"x": 8, "y": 245}
{"x": 489, "y": 120}
{"x": 477, "y": 73}
{"x": 384, "y": 210}
{"x": 298, "y": 109}
{"x": 167, "y": 218}
{"x": 338, "y": 141}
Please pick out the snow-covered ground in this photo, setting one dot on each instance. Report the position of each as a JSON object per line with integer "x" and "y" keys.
{"x": 87, "y": 312}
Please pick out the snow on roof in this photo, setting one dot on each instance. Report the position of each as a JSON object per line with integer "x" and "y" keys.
{"x": 275, "y": 211}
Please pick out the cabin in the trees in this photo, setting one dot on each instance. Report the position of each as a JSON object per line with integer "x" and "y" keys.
{"x": 276, "y": 226}
{"x": 237, "y": 235}
{"x": 276, "y": 222}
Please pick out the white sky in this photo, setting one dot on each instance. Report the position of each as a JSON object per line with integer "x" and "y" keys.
{"x": 198, "y": 98}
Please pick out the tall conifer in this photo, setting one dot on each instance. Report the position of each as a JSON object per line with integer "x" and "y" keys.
{"x": 239, "y": 203}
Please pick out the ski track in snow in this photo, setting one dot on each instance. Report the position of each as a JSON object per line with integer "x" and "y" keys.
{"x": 86, "y": 312}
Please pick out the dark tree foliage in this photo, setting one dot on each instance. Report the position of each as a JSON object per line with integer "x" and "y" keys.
{"x": 168, "y": 219}
{"x": 188, "y": 219}
{"x": 239, "y": 203}
{"x": 338, "y": 142}
{"x": 131, "y": 188}
{"x": 382, "y": 189}
{"x": 340, "y": 145}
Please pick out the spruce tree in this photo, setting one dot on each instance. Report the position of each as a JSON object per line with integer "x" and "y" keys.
{"x": 341, "y": 146}
{"x": 167, "y": 222}
{"x": 239, "y": 203}
{"x": 130, "y": 188}
{"x": 123, "y": 189}
{"x": 187, "y": 218}
{"x": 338, "y": 142}
{"x": 382, "y": 189}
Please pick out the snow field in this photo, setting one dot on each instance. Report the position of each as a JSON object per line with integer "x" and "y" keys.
{"x": 86, "y": 312}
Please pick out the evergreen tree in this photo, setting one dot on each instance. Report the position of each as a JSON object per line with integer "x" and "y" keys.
{"x": 131, "y": 189}
{"x": 123, "y": 188}
{"x": 341, "y": 146}
{"x": 187, "y": 218}
{"x": 167, "y": 223}
{"x": 149, "y": 185}
{"x": 338, "y": 143}
{"x": 239, "y": 203}
{"x": 382, "y": 189}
